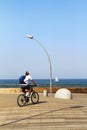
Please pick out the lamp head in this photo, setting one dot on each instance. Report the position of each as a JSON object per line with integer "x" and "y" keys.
{"x": 29, "y": 36}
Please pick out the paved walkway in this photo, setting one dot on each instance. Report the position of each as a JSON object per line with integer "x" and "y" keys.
{"x": 49, "y": 114}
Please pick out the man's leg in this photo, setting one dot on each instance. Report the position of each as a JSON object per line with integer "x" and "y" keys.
{"x": 23, "y": 90}
{"x": 28, "y": 90}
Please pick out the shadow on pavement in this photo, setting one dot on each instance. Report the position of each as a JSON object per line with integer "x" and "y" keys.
{"x": 5, "y": 124}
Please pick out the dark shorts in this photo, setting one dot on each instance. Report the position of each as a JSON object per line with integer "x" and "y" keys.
{"x": 25, "y": 87}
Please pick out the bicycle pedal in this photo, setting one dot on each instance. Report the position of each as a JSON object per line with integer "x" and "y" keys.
{"x": 27, "y": 99}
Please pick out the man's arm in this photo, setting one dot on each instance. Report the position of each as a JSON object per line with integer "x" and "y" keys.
{"x": 34, "y": 82}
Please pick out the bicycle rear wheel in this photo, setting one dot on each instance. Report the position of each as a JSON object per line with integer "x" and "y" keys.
{"x": 21, "y": 100}
{"x": 34, "y": 97}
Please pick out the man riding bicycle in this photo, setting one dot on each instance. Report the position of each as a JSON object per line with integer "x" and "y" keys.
{"x": 26, "y": 83}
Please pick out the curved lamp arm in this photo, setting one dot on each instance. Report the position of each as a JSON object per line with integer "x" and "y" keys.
{"x": 31, "y": 37}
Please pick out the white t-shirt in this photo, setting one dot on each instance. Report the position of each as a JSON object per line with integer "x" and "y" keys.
{"x": 27, "y": 79}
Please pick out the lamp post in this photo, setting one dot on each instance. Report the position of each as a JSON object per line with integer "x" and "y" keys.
{"x": 31, "y": 37}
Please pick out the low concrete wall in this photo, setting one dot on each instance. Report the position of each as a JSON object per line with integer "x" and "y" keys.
{"x": 40, "y": 90}
{"x": 9, "y": 90}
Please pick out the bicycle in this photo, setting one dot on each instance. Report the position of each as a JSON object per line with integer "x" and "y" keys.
{"x": 22, "y": 99}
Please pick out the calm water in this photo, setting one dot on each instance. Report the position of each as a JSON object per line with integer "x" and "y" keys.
{"x": 13, "y": 83}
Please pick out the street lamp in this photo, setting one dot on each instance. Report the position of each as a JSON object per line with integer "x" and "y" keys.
{"x": 31, "y": 37}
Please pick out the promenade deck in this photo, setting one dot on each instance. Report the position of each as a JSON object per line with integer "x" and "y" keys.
{"x": 49, "y": 114}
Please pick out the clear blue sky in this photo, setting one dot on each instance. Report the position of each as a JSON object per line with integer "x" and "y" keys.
{"x": 60, "y": 25}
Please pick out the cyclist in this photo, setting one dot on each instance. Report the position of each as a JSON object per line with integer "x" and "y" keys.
{"x": 26, "y": 83}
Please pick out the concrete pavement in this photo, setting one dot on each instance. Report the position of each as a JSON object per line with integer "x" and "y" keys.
{"x": 49, "y": 114}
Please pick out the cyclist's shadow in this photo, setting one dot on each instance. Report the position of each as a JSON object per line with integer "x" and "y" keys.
{"x": 30, "y": 103}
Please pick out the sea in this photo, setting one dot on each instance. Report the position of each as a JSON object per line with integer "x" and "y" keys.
{"x": 13, "y": 83}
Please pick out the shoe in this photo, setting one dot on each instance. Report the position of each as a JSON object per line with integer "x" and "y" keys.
{"x": 27, "y": 95}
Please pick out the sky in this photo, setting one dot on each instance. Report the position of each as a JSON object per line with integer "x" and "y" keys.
{"x": 59, "y": 25}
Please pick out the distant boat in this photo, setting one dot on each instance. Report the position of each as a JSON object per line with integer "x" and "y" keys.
{"x": 56, "y": 79}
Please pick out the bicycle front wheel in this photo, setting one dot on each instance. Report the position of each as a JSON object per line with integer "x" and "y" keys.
{"x": 34, "y": 97}
{"x": 21, "y": 100}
